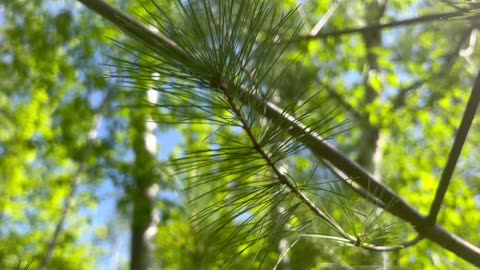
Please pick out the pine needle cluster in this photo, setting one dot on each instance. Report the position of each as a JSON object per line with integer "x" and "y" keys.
{"x": 218, "y": 63}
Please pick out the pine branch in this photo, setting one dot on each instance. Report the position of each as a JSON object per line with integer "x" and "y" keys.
{"x": 279, "y": 175}
{"x": 326, "y": 153}
{"x": 398, "y": 207}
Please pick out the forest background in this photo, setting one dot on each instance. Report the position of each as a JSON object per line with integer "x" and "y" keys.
{"x": 86, "y": 172}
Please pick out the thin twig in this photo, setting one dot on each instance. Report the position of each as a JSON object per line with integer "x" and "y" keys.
{"x": 338, "y": 97}
{"x": 450, "y": 57}
{"x": 359, "y": 30}
{"x": 399, "y": 100}
{"x": 451, "y": 4}
{"x": 325, "y": 18}
{"x": 74, "y": 184}
{"x": 460, "y": 138}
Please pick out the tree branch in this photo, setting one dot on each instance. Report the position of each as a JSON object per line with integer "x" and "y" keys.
{"x": 359, "y": 30}
{"x": 452, "y": 4}
{"x": 399, "y": 100}
{"x": 324, "y": 19}
{"x": 321, "y": 149}
{"x": 74, "y": 184}
{"x": 467, "y": 119}
{"x": 338, "y": 97}
{"x": 279, "y": 175}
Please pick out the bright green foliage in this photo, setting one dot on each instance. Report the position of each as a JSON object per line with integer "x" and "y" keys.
{"x": 419, "y": 124}
{"x": 53, "y": 92}
{"x": 45, "y": 116}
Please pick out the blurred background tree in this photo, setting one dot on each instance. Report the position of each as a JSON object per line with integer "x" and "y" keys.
{"x": 85, "y": 183}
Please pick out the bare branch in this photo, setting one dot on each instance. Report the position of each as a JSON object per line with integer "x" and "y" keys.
{"x": 324, "y": 19}
{"x": 399, "y": 100}
{"x": 68, "y": 203}
{"x": 417, "y": 20}
{"x": 338, "y": 97}
{"x": 460, "y": 138}
{"x": 452, "y": 4}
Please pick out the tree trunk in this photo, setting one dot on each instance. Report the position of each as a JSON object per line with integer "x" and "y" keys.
{"x": 371, "y": 147}
{"x": 144, "y": 218}
{"x": 370, "y": 150}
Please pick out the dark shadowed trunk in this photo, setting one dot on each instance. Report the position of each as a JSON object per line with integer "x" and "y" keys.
{"x": 144, "y": 220}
